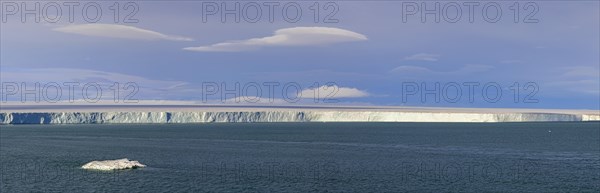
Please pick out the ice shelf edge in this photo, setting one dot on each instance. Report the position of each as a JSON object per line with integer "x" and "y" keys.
{"x": 281, "y": 116}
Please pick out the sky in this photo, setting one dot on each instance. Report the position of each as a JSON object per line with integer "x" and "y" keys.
{"x": 350, "y": 53}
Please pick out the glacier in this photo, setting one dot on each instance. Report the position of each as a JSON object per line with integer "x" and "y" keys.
{"x": 281, "y": 116}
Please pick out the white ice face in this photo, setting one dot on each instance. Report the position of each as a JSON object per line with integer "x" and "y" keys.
{"x": 281, "y": 115}
{"x": 119, "y": 164}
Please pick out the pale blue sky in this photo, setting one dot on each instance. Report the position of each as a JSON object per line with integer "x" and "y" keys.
{"x": 370, "y": 52}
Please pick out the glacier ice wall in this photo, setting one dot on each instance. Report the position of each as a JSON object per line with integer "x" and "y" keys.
{"x": 281, "y": 116}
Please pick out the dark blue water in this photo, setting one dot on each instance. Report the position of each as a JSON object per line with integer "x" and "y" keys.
{"x": 305, "y": 157}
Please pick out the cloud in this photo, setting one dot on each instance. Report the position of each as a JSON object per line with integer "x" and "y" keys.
{"x": 297, "y": 36}
{"x": 146, "y": 88}
{"x": 118, "y": 31}
{"x": 73, "y": 74}
{"x": 581, "y": 72}
{"x": 467, "y": 69}
{"x": 511, "y": 61}
{"x": 76, "y": 102}
{"x": 588, "y": 86}
{"x": 423, "y": 57}
{"x": 252, "y": 100}
{"x": 333, "y": 92}
{"x": 576, "y": 79}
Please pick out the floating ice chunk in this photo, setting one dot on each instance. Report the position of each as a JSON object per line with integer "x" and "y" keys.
{"x": 118, "y": 164}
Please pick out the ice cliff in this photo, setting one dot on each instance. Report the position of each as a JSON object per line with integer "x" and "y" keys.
{"x": 281, "y": 116}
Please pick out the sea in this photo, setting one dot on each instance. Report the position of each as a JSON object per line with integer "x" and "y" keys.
{"x": 304, "y": 157}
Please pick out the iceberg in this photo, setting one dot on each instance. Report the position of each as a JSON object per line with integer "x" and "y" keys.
{"x": 118, "y": 164}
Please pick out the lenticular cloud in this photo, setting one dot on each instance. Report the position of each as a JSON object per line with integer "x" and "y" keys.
{"x": 296, "y": 36}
